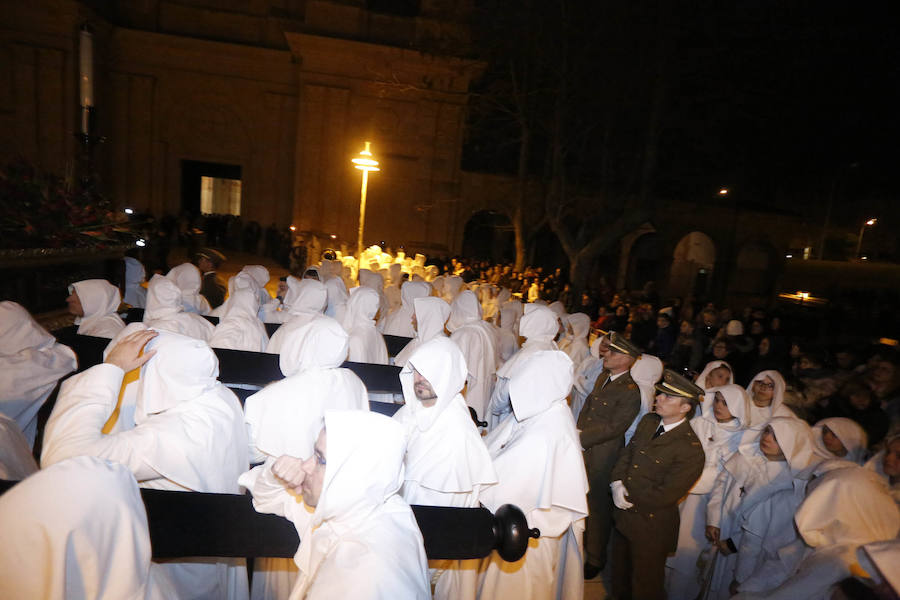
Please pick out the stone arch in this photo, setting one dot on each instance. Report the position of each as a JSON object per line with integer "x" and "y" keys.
{"x": 693, "y": 260}
{"x": 644, "y": 260}
{"x": 489, "y": 235}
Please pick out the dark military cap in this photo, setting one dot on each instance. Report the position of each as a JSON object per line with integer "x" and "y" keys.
{"x": 619, "y": 343}
{"x": 216, "y": 257}
{"x": 673, "y": 384}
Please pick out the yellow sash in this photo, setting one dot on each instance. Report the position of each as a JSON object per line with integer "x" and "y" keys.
{"x": 130, "y": 376}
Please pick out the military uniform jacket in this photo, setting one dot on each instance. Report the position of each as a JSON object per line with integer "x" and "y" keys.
{"x": 607, "y": 414}
{"x": 657, "y": 473}
{"x": 213, "y": 289}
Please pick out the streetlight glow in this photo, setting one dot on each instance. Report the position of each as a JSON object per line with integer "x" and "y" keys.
{"x": 871, "y": 222}
{"x": 365, "y": 162}
{"x": 862, "y": 230}
{"x": 723, "y": 192}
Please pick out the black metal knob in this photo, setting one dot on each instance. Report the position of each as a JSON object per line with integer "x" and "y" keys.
{"x": 511, "y": 533}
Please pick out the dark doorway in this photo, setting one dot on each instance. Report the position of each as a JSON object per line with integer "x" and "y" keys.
{"x": 489, "y": 236}
{"x": 192, "y": 174}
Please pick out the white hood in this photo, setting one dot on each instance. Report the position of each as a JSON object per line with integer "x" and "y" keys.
{"x": 188, "y": 279}
{"x": 100, "y": 300}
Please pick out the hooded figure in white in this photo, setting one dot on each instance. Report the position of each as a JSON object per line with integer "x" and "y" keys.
{"x": 362, "y": 540}
{"x": 537, "y": 455}
{"x": 575, "y": 344}
{"x": 254, "y": 277}
{"x": 392, "y": 291}
{"x": 99, "y": 302}
{"x": 447, "y": 463}
{"x": 476, "y": 340}
{"x": 720, "y": 440}
{"x": 507, "y": 331}
{"x": 285, "y": 417}
{"x": 877, "y": 464}
{"x": 759, "y": 415}
{"x": 587, "y": 372}
{"x": 16, "y": 460}
{"x": 453, "y": 286}
{"x": 399, "y": 322}
{"x": 336, "y": 305}
{"x": 188, "y": 279}
{"x": 852, "y": 438}
{"x": 78, "y": 529}
{"x": 31, "y": 362}
{"x": 754, "y": 499}
{"x": 306, "y": 299}
{"x": 539, "y": 326}
{"x": 431, "y": 315}
{"x": 703, "y": 379}
{"x": 847, "y": 509}
{"x": 366, "y": 343}
{"x": 645, "y": 371}
{"x": 189, "y": 435}
{"x": 135, "y": 275}
{"x": 165, "y": 311}
{"x": 375, "y": 281}
{"x": 239, "y": 327}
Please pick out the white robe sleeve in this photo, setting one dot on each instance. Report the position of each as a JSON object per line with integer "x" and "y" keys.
{"x": 85, "y": 403}
{"x": 716, "y": 499}
{"x": 271, "y": 497}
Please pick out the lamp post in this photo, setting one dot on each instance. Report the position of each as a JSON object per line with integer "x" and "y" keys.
{"x": 862, "y": 230}
{"x": 365, "y": 163}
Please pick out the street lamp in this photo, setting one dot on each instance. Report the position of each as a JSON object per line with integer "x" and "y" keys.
{"x": 862, "y": 230}
{"x": 723, "y": 192}
{"x": 365, "y": 163}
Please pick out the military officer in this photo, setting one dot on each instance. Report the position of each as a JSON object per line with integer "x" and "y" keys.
{"x": 212, "y": 288}
{"x": 651, "y": 476}
{"x": 608, "y": 412}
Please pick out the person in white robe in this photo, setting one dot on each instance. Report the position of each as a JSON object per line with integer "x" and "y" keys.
{"x": 16, "y": 460}
{"x": 839, "y": 438}
{"x": 31, "y": 363}
{"x": 189, "y": 435}
{"x": 374, "y": 280}
{"x": 255, "y": 277}
{"x": 94, "y": 303}
{"x": 453, "y": 286}
{"x": 307, "y": 299}
{"x": 745, "y": 508}
{"x": 716, "y": 373}
{"x": 476, "y": 340}
{"x": 575, "y": 344}
{"x": 239, "y": 327}
{"x": 135, "y": 275}
{"x": 437, "y": 284}
{"x": 537, "y": 456}
{"x": 886, "y": 463}
{"x": 392, "y": 291}
{"x": 587, "y": 372}
{"x": 507, "y": 332}
{"x": 260, "y": 276}
{"x": 399, "y": 322}
{"x": 337, "y": 297}
{"x": 285, "y": 417}
{"x": 188, "y": 279}
{"x": 646, "y": 372}
{"x": 358, "y": 538}
{"x": 165, "y": 311}
{"x": 719, "y": 425}
{"x": 431, "y": 315}
{"x": 78, "y": 529}
{"x": 366, "y": 343}
{"x": 447, "y": 463}
{"x": 767, "y": 398}
{"x": 538, "y": 326}
{"x": 846, "y": 510}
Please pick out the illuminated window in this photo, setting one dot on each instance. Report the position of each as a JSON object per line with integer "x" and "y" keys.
{"x": 220, "y": 196}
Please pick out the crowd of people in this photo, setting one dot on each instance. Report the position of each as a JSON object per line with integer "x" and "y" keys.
{"x": 698, "y": 452}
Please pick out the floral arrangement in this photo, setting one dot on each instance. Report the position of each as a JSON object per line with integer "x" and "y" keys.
{"x": 43, "y": 210}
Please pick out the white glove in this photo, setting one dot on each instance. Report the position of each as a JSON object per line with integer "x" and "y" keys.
{"x": 618, "y": 493}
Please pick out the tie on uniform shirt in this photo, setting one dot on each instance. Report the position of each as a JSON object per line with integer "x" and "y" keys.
{"x": 659, "y": 431}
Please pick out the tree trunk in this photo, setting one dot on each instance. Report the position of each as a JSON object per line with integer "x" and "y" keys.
{"x": 518, "y": 219}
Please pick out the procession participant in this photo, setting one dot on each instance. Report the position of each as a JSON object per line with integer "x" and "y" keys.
{"x": 94, "y": 303}
{"x": 447, "y": 464}
{"x": 392, "y": 291}
{"x": 399, "y": 322}
{"x": 839, "y": 438}
{"x": 188, "y": 436}
{"x": 187, "y": 277}
{"x": 375, "y": 281}
{"x": 767, "y": 398}
{"x": 660, "y": 464}
{"x": 578, "y": 327}
{"x": 587, "y": 371}
{"x": 213, "y": 289}
{"x": 476, "y": 340}
{"x": 16, "y": 460}
{"x": 646, "y": 372}
{"x": 719, "y": 425}
{"x": 94, "y": 544}
{"x": 31, "y": 363}
{"x": 337, "y": 297}
{"x": 715, "y": 374}
{"x": 306, "y": 300}
{"x": 430, "y": 317}
{"x": 507, "y": 333}
{"x": 358, "y": 537}
{"x": 746, "y": 505}
{"x": 239, "y": 327}
{"x": 887, "y": 464}
{"x": 285, "y": 417}
{"x": 165, "y": 311}
{"x": 135, "y": 275}
{"x": 608, "y": 412}
{"x": 537, "y": 455}
{"x": 366, "y": 343}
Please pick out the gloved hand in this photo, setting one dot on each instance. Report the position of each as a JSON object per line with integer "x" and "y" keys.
{"x": 618, "y": 493}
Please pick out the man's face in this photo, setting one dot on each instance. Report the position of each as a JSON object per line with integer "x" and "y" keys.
{"x": 424, "y": 391}
{"x": 603, "y": 348}
{"x": 670, "y": 407}
{"x": 74, "y": 303}
{"x": 617, "y": 362}
{"x": 314, "y": 467}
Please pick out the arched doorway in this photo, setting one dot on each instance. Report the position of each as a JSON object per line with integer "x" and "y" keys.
{"x": 489, "y": 236}
{"x": 692, "y": 266}
{"x": 644, "y": 261}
